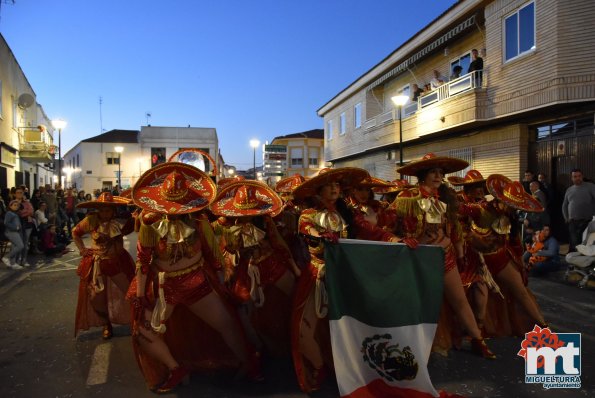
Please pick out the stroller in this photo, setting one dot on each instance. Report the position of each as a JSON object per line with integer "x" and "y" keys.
{"x": 581, "y": 263}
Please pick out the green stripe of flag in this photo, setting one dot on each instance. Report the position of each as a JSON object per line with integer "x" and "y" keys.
{"x": 384, "y": 285}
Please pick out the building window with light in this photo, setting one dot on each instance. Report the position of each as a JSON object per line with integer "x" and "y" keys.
{"x": 519, "y": 32}
{"x": 297, "y": 157}
{"x": 112, "y": 157}
{"x": 357, "y": 115}
{"x": 313, "y": 155}
{"x": 342, "y": 127}
{"x": 329, "y": 130}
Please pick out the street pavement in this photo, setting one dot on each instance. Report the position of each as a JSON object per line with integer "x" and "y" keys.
{"x": 39, "y": 356}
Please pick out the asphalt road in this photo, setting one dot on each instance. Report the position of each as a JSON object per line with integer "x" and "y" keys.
{"x": 39, "y": 356}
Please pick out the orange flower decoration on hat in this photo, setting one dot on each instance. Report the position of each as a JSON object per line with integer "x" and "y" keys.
{"x": 246, "y": 198}
{"x": 288, "y": 184}
{"x": 472, "y": 177}
{"x": 347, "y": 177}
{"x": 106, "y": 199}
{"x": 174, "y": 188}
{"x": 512, "y": 194}
{"x": 431, "y": 161}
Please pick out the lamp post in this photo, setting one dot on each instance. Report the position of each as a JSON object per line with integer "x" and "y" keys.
{"x": 254, "y": 144}
{"x": 59, "y": 124}
{"x": 399, "y": 101}
{"x": 119, "y": 149}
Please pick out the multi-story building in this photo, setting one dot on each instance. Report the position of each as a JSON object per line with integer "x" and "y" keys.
{"x": 26, "y": 136}
{"x": 298, "y": 153}
{"x": 531, "y": 107}
{"x": 97, "y": 162}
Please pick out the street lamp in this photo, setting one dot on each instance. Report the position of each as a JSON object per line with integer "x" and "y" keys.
{"x": 59, "y": 124}
{"x": 399, "y": 101}
{"x": 119, "y": 149}
{"x": 254, "y": 144}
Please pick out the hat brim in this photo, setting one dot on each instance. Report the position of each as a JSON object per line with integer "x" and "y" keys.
{"x": 447, "y": 164}
{"x": 288, "y": 184}
{"x": 268, "y": 201}
{"x": 496, "y": 184}
{"x": 95, "y": 204}
{"x": 346, "y": 176}
{"x": 460, "y": 181}
{"x": 201, "y": 190}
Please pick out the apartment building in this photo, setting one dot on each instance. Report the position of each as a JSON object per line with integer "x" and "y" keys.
{"x": 27, "y": 147}
{"x": 532, "y": 106}
{"x": 297, "y": 153}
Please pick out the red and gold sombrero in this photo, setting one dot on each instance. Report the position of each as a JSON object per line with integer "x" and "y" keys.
{"x": 174, "y": 188}
{"x": 394, "y": 186}
{"x": 127, "y": 193}
{"x": 288, "y": 184}
{"x": 105, "y": 199}
{"x": 246, "y": 198}
{"x": 512, "y": 194}
{"x": 472, "y": 177}
{"x": 431, "y": 161}
{"x": 228, "y": 180}
{"x": 347, "y": 177}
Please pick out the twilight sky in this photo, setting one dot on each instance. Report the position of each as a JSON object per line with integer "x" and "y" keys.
{"x": 249, "y": 68}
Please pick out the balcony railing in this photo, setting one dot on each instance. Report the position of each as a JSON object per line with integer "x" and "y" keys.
{"x": 463, "y": 84}
{"x": 36, "y": 145}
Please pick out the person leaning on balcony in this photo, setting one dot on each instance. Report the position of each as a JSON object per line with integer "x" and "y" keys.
{"x": 476, "y": 65}
{"x": 438, "y": 80}
{"x": 417, "y": 92}
{"x": 456, "y": 72}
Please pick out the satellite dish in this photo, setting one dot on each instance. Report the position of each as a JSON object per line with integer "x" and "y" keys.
{"x": 194, "y": 157}
{"x": 25, "y": 101}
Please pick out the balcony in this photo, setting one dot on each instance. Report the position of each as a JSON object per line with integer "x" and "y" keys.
{"x": 36, "y": 145}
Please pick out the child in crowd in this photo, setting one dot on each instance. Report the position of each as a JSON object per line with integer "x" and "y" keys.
{"x": 49, "y": 243}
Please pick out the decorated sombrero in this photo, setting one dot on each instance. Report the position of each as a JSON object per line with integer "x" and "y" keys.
{"x": 246, "y": 198}
{"x": 174, "y": 188}
{"x": 347, "y": 177}
{"x": 288, "y": 184}
{"x": 105, "y": 199}
{"x": 392, "y": 187}
{"x": 127, "y": 193}
{"x": 228, "y": 180}
{"x": 472, "y": 177}
{"x": 431, "y": 161}
{"x": 512, "y": 193}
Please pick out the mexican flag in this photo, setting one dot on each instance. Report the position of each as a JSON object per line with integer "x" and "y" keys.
{"x": 384, "y": 302}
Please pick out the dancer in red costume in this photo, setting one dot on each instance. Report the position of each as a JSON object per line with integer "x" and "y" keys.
{"x": 325, "y": 222}
{"x": 106, "y": 268}
{"x": 264, "y": 268}
{"x": 421, "y": 216}
{"x": 494, "y": 236}
{"x": 183, "y": 320}
{"x": 372, "y": 219}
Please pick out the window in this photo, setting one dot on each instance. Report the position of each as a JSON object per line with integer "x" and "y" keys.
{"x": 463, "y": 61}
{"x": 329, "y": 130}
{"x": 157, "y": 156}
{"x": 77, "y": 160}
{"x": 297, "y": 157}
{"x": 357, "y": 115}
{"x": 342, "y": 127}
{"x": 112, "y": 157}
{"x": 519, "y": 32}
{"x": 313, "y": 153}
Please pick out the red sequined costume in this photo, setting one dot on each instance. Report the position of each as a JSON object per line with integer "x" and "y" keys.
{"x": 373, "y": 220}
{"x": 490, "y": 235}
{"x": 261, "y": 260}
{"x": 106, "y": 257}
{"x": 192, "y": 342}
{"x": 310, "y": 291}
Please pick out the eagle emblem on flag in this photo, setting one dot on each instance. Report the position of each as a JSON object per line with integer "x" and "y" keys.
{"x": 390, "y": 362}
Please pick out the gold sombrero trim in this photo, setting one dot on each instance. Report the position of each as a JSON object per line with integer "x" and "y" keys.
{"x": 173, "y": 197}
{"x": 246, "y": 206}
{"x": 513, "y": 198}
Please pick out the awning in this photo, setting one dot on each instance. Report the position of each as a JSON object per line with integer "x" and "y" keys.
{"x": 403, "y": 66}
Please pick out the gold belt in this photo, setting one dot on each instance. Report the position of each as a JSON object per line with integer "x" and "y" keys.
{"x": 479, "y": 230}
{"x": 184, "y": 271}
